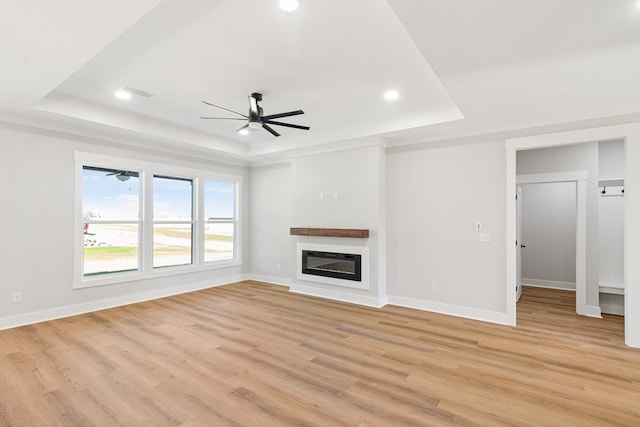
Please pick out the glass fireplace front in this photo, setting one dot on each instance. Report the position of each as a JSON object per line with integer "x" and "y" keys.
{"x": 331, "y": 264}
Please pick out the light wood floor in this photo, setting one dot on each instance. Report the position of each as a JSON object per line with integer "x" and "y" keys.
{"x": 252, "y": 354}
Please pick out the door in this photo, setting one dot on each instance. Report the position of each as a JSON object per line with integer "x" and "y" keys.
{"x": 519, "y": 244}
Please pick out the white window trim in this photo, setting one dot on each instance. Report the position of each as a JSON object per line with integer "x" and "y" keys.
{"x": 147, "y": 170}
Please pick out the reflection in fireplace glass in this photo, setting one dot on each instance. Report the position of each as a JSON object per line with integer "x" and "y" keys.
{"x": 331, "y": 264}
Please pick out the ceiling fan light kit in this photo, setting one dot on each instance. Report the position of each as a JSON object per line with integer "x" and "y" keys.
{"x": 256, "y": 119}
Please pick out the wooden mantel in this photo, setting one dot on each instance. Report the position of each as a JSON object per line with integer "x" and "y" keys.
{"x": 357, "y": 233}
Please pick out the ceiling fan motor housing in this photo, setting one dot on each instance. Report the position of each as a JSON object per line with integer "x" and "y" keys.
{"x": 255, "y": 115}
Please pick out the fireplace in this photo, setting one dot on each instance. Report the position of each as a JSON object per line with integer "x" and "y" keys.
{"x": 332, "y": 264}
{"x": 336, "y": 265}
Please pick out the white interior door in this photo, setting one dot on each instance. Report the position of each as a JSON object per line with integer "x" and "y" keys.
{"x": 519, "y": 244}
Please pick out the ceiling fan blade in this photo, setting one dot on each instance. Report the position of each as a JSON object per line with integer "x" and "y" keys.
{"x": 225, "y": 109}
{"x": 270, "y": 130}
{"x": 243, "y": 127}
{"x": 223, "y": 118}
{"x": 277, "y": 116}
{"x": 289, "y": 125}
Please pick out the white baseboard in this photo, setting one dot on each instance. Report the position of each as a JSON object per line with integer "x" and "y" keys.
{"x": 451, "y": 310}
{"x": 567, "y": 286}
{"x": 282, "y": 281}
{"x": 337, "y": 295}
{"x": 102, "y": 304}
{"x": 612, "y": 288}
{"x": 592, "y": 311}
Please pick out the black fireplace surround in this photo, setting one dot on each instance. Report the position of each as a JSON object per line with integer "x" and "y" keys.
{"x": 331, "y": 264}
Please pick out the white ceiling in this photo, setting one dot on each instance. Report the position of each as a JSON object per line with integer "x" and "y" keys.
{"x": 462, "y": 67}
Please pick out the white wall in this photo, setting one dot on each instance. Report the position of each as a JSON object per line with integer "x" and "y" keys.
{"x": 549, "y": 234}
{"x": 352, "y": 182}
{"x": 353, "y": 174}
{"x": 578, "y": 157}
{"x": 434, "y": 198}
{"x": 611, "y": 166}
{"x": 612, "y": 240}
{"x": 611, "y": 159}
{"x": 632, "y": 236}
{"x": 37, "y": 218}
{"x": 270, "y": 212}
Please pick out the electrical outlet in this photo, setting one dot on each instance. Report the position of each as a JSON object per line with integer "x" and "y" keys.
{"x": 278, "y": 267}
{"x": 321, "y": 195}
{"x": 434, "y": 287}
{"x": 16, "y": 297}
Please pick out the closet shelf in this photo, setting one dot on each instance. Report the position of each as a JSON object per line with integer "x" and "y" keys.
{"x": 614, "y": 182}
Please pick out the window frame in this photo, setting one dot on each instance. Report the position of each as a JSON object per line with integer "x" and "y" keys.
{"x": 191, "y": 222}
{"x": 147, "y": 170}
{"x": 205, "y": 220}
{"x": 137, "y": 222}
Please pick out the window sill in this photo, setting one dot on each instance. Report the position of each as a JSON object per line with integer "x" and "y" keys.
{"x": 116, "y": 278}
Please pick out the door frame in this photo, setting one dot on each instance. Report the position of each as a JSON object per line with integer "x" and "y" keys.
{"x": 580, "y": 179}
{"x": 519, "y": 245}
{"x": 630, "y": 134}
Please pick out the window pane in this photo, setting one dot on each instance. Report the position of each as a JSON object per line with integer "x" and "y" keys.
{"x": 110, "y": 194}
{"x": 219, "y": 200}
{"x": 110, "y": 248}
{"x": 218, "y": 242}
{"x": 171, "y": 244}
{"x": 172, "y": 199}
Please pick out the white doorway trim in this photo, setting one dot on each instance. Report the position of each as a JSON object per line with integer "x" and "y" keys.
{"x": 580, "y": 178}
{"x": 630, "y": 133}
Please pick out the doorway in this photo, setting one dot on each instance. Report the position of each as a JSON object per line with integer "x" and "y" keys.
{"x": 577, "y": 182}
{"x": 630, "y": 134}
{"x": 548, "y": 237}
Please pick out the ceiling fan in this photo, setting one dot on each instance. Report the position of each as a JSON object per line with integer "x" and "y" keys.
{"x": 122, "y": 175}
{"x": 256, "y": 119}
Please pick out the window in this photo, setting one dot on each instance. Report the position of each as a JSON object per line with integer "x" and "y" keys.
{"x": 219, "y": 220}
{"x": 172, "y": 221}
{"x": 111, "y": 220}
{"x": 137, "y": 220}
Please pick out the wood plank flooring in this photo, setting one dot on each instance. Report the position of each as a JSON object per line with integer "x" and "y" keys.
{"x": 252, "y": 354}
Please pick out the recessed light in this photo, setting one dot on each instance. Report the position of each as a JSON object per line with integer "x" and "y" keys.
{"x": 289, "y": 5}
{"x": 391, "y": 95}
{"x": 122, "y": 94}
